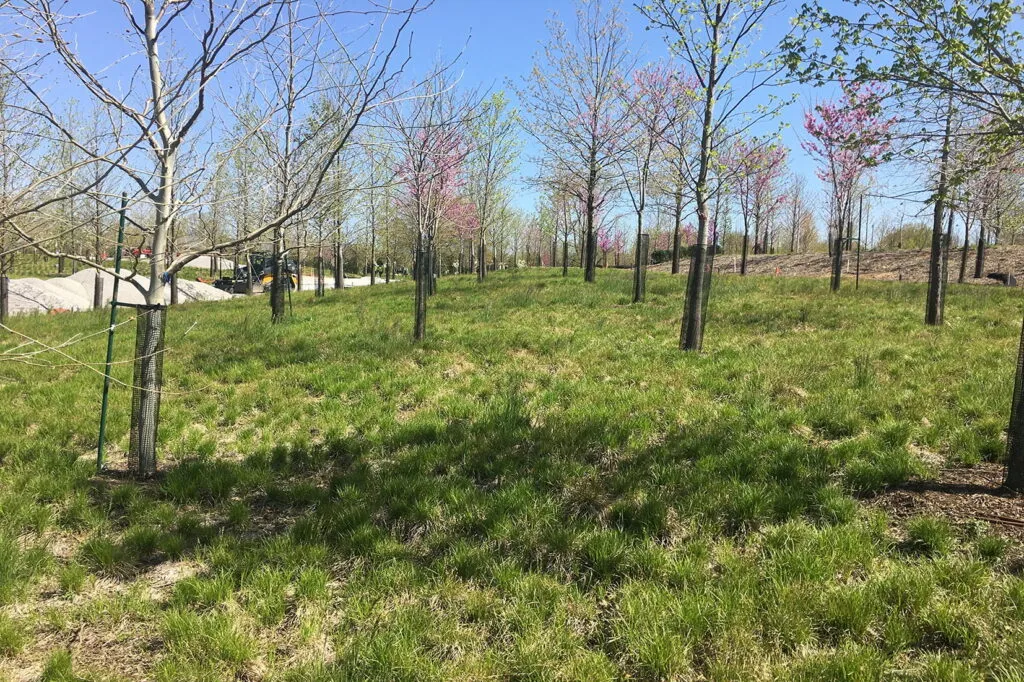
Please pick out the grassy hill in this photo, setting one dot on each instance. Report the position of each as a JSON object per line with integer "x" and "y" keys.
{"x": 547, "y": 489}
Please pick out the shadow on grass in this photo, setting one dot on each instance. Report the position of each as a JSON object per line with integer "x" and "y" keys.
{"x": 469, "y": 496}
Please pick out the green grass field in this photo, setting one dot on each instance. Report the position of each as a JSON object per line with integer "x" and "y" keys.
{"x": 547, "y": 489}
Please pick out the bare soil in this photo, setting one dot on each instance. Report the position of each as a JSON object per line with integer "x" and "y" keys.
{"x": 909, "y": 266}
{"x": 962, "y": 496}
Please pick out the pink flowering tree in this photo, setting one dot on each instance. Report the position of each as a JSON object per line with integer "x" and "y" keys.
{"x": 647, "y": 100}
{"x": 432, "y": 154}
{"x": 758, "y": 168}
{"x": 849, "y": 137}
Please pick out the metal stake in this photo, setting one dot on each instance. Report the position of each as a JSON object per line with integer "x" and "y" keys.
{"x": 110, "y": 335}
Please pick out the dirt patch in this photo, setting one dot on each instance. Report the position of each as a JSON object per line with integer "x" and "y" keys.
{"x": 908, "y": 266}
{"x": 960, "y": 495}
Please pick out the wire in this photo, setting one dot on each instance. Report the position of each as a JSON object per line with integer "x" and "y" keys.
{"x": 75, "y": 362}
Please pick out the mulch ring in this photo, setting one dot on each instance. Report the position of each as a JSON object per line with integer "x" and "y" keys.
{"x": 962, "y": 496}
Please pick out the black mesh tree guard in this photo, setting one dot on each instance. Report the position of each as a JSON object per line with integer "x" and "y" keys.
{"x": 643, "y": 257}
{"x": 837, "y": 263}
{"x": 420, "y": 304}
{"x": 1015, "y": 432}
{"x": 4, "y": 296}
{"x": 147, "y": 382}
{"x": 702, "y": 265}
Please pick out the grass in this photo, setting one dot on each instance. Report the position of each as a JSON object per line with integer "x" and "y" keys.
{"x": 546, "y": 489}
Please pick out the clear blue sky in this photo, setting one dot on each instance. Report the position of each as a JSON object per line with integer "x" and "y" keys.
{"x": 503, "y": 37}
{"x": 498, "y": 39}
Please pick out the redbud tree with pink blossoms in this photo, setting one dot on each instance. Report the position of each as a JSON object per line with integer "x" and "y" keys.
{"x": 758, "y": 168}
{"x": 849, "y": 137}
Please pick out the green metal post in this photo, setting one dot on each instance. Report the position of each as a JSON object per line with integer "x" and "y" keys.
{"x": 110, "y": 335}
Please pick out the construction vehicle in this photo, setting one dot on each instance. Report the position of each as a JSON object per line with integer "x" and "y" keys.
{"x": 261, "y": 264}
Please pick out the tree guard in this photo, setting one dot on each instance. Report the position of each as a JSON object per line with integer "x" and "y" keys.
{"x": 420, "y": 309}
{"x": 640, "y": 273}
{"x": 4, "y": 296}
{"x": 692, "y": 334}
{"x": 146, "y": 385}
{"x": 1015, "y": 432}
{"x": 837, "y": 262}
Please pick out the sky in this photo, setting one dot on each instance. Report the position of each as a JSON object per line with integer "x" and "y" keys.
{"x": 497, "y": 40}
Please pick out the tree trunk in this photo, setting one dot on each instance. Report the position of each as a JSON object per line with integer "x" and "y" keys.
{"x": 590, "y": 266}
{"x": 248, "y": 273}
{"x": 936, "y": 299}
{"x": 837, "y": 261}
{"x": 691, "y": 335}
{"x": 5, "y": 288}
{"x": 482, "y": 272}
{"x": 676, "y": 237}
{"x": 565, "y": 255}
{"x": 979, "y": 259}
{"x": 277, "y": 283}
{"x": 147, "y": 384}
{"x": 320, "y": 270}
{"x": 97, "y": 290}
{"x": 746, "y": 240}
{"x": 1015, "y": 433}
{"x": 967, "y": 245}
{"x": 639, "y": 278}
{"x": 420, "y": 304}
{"x": 373, "y": 257}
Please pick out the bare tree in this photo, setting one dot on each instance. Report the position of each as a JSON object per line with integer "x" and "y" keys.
{"x": 648, "y": 101}
{"x": 492, "y": 161}
{"x": 570, "y": 102}
{"x": 154, "y": 123}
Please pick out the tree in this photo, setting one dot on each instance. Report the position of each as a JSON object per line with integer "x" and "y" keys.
{"x": 849, "y": 136}
{"x": 493, "y": 156}
{"x": 18, "y": 142}
{"x": 676, "y": 172}
{"x": 152, "y": 125}
{"x": 714, "y": 39}
{"x": 570, "y": 99}
{"x": 432, "y": 141}
{"x": 757, "y": 168}
{"x": 648, "y": 99}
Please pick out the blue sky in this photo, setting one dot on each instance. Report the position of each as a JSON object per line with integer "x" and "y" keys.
{"x": 503, "y": 37}
{"x": 498, "y": 39}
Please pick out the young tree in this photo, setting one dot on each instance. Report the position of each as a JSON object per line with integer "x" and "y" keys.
{"x": 570, "y": 102}
{"x": 431, "y": 138}
{"x": 648, "y": 99}
{"x": 152, "y": 125}
{"x": 715, "y": 39}
{"x": 676, "y": 173}
{"x": 849, "y": 136}
{"x": 757, "y": 169}
{"x": 492, "y": 160}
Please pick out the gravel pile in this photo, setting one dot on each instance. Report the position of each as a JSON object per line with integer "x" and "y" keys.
{"x": 75, "y": 292}
{"x": 31, "y": 295}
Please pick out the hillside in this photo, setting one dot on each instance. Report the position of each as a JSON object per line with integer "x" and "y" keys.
{"x": 546, "y": 489}
{"x": 908, "y": 266}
